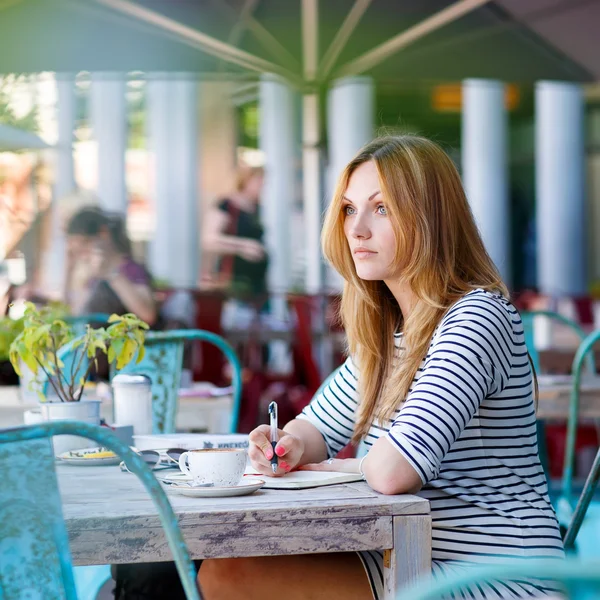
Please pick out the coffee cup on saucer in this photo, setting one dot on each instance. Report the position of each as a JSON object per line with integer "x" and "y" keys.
{"x": 221, "y": 467}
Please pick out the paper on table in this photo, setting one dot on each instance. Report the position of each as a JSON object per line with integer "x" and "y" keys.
{"x": 297, "y": 480}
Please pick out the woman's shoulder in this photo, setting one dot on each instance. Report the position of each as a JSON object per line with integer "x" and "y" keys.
{"x": 480, "y": 304}
{"x": 482, "y": 313}
{"x": 135, "y": 272}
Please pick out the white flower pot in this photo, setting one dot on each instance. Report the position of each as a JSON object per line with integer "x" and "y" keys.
{"x": 87, "y": 411}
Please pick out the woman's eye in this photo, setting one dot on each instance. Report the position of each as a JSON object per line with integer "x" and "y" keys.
{"x": 349, "y": 210}
{"x": 381, "y": 210}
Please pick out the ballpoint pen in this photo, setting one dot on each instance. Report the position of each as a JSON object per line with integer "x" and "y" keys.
{"x": 273, "y": 423}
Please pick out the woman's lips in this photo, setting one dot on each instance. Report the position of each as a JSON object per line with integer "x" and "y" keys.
{"x": 364, "y": 253}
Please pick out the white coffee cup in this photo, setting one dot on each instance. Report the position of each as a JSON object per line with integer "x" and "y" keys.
{"x": 223, "y": 467}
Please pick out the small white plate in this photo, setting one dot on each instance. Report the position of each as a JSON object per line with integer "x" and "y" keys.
{"x": 78, "y": 457}
{"x": 247, "y": 486}
{"x": 173, "y": 476}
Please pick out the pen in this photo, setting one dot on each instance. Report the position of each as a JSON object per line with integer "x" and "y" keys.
{"x": 273, "y": 423}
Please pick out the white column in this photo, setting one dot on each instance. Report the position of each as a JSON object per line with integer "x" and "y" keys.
{"x": 109, "y": 125}
{"x": 173, "y": 133}
{"x": 312, "y": 192}
{"x": 276, "y": 140}
{"x": 350, "y": 125}
{"x": 52, "y": 273}
{"x": 484, "y": 166}
{"x": 185, "y": 242}
{"x": 560, "y": 189}
{"x": 350, "y": 122}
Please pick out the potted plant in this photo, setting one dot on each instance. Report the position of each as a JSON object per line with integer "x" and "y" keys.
{"x": 64, "y": 374}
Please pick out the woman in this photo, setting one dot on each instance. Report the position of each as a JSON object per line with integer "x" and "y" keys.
{"x": 233, "y": 233}
{"x": 113, "y": 282}
{"x": 438, "y": 386}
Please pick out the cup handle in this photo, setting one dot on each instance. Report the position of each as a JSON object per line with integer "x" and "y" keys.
{"x": 183, "y": 464}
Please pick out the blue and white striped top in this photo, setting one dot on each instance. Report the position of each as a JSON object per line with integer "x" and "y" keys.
{"x": 468, "y": 428}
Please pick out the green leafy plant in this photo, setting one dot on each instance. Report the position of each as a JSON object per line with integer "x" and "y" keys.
{"x": 43, "y": 335}
{"x": 9, "y": 330}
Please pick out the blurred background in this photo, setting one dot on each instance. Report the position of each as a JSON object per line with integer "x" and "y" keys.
{"x": 214, "y": 130}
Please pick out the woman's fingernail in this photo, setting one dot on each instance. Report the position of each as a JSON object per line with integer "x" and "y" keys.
{"x": 279, "y": 451}
{"x": 269, "y": 454}
{"x": 284, "y": 466}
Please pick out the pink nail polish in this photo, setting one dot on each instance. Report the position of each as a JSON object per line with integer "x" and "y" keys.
{"x": 279, "y": 451}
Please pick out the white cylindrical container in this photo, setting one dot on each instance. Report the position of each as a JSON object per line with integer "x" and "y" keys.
{"x": 132, "y": 401}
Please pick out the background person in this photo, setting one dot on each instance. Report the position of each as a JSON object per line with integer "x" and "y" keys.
{"x": 115, "y": 282}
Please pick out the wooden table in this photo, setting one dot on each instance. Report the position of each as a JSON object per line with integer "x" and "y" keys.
{"x": 111, "y": 519}
{"x": 555, "y": 397}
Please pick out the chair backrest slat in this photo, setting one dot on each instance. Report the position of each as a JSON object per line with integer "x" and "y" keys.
{"x": 35, "y": 561}
{"x": 162, "y": 364}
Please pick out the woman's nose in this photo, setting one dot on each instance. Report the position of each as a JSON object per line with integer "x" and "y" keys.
{"x": 360, "y": 229}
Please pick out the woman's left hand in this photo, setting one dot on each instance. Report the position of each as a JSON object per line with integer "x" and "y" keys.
{"x": 342, "y": 465}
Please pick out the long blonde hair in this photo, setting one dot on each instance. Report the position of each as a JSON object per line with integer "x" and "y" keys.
{"x": 439, "y": 254}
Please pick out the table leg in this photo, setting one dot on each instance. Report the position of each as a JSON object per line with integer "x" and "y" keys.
{"x": 410, "y": 558}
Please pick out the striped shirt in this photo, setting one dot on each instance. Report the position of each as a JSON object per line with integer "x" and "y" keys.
{"x": 468, "y": 428}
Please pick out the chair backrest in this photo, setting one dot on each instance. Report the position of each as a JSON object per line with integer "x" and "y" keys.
{"x": 80, "y": 322}
{"x": 35, "y": 561}
{"x": 528, "y": 318}
{"x": 162, "y": 363}
{"x": 574, "y": 574}
{"x": 582, "y": 353}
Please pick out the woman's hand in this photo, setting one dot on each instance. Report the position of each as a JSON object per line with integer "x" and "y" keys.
{"x": 289, "y": 450}
{"x": 342, "y": 465}
{"x": 251, "y": 250}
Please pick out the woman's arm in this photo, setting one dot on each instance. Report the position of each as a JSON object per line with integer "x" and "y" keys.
{"x": 469, "y": 360}
{"x": 315, "y": 449}
{"x": 218, "y": 242}
{"x": 136, "y": 297}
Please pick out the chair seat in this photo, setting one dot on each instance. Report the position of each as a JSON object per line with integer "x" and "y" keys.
{"x": 90, "y": 580}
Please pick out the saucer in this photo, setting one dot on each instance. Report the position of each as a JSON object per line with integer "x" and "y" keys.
{"x": 247, "y": 486}
{"x": 86, "y": 457}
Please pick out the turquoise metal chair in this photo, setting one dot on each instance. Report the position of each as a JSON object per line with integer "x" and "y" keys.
{"x": 579, "y": 577}
{"x": 162, "y": 363}
{"x": 35, "y": 561}
{"x": 528, "y": 318}
{"x": 528, "y": 325}
{"x": 574, "y": 517}
{"x": 80, "y": 322}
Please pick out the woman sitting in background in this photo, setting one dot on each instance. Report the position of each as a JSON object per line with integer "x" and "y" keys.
{"x": 114, "y": 282}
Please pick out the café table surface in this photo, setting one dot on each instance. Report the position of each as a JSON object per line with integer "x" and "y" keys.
{"x": 111, "y": 519}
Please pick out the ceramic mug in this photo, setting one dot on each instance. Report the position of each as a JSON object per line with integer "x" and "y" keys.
{"x": 223, "y": 467}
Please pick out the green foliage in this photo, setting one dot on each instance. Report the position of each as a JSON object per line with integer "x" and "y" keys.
{"x": 28, "y": 121}
{"x": 44, "y": 334}
{"x": 9, "y": 330}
